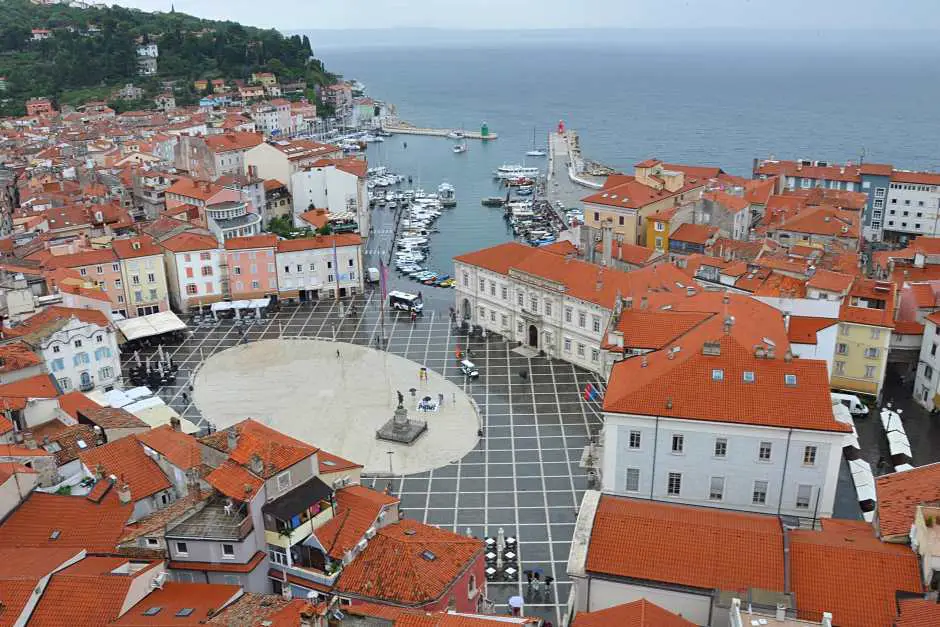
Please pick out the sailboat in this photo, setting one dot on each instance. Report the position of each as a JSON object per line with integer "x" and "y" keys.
{"x": 535, "y": 152}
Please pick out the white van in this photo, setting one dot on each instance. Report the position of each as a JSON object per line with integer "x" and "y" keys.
{"x": 855, "y": 405}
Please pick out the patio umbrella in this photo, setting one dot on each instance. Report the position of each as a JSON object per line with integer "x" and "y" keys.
{"x": 516, "y": 602}
{"x": 426, "y": 399}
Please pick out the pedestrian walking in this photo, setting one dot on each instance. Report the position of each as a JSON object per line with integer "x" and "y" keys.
{"x": 440, "y": 399}
{"x": 337, "y": 353}
{"x": 186, "y": 398}
{"x": 453, "y": 398}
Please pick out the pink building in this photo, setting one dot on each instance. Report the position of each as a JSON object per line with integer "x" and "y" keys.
{"x": 250, "y": 266}
{"x": 101, "y": 267}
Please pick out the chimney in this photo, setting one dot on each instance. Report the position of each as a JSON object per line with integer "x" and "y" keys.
{"x": 99, "y": 472}
{"x": 644, "y": 301}
{"x": 607, "y": 243}
{"x": 175, "y": 423}
{"x": 307, "y": 616}
{"x": 28, "y": 440}
{"x": 725, "y": 299}
{"x": 598, "y": 286}
{"x": 124, "y": 493}
{"x": 771, "y": 352}
{"x": 643, "y": 362}
{"x": 781, "y": 614}
{"x": 827, "y": 619}
{"x": 729, "y": 322}
{"x": 788, "y": 356}
{"x": 786, "y": 321}
{"x": 256, "y": 465}
{"x": 759, "y": 351}
{"x": 628, "y": 302}
{"x": 232, "y": 439}
{"x": 690, "y": 291}
{"x": 735, "y": 614}
{"x": 668, "y": 403}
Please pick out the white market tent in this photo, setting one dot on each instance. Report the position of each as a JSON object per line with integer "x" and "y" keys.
{"x": 240, "y": 305}
{"x": 149, "y": 326}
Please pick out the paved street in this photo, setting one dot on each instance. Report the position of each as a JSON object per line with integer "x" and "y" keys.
{"x": 523, "y": 476}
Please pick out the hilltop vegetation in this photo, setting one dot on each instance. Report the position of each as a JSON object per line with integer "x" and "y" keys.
{"x": 96, "y": 48}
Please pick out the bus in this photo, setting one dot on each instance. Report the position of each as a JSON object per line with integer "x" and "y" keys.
{"x": 405, "y": 301}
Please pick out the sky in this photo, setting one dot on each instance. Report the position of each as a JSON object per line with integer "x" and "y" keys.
{"x": 526, "y": 14}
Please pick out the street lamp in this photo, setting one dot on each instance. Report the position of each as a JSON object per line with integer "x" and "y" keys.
{"x": 390, "y": 453}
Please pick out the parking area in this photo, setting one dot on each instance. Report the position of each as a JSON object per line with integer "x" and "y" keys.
{"x": 524, "y": 475}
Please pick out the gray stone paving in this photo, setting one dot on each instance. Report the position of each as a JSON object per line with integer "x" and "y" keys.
{"x": 524, "y": 475}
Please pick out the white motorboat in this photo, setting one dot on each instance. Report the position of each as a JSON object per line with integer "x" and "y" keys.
{"x": 535, "y": 152}
{"x": 447, "y": 195}
{"x": 510, "y": 172}
{"x": 455, "y": 134}
{"x": 459, "y": 149}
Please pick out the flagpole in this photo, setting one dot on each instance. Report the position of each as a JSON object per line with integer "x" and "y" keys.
{"x": 383, "y": 286}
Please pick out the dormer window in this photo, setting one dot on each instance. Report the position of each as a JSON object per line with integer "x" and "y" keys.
{"x": 718, "y": 374}
{"x": 789, "y": 379}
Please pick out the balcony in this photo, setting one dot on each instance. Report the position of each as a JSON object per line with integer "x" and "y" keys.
{"x": 292, "y": 517}
{"x": 217, "y": 519}
{"x": 288, "y": 537}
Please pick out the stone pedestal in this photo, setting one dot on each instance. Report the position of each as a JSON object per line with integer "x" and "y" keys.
{"x": 401, "y": 429}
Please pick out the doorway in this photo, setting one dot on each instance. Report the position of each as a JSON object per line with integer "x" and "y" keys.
{"x": 533, "y": 336}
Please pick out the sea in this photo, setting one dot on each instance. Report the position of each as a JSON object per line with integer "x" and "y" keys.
{"x": 720, "y": 101}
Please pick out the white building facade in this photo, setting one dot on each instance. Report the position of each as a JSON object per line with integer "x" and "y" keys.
{"x": 912, "y": 206}
{"x": 83, "y": 356}
{"x": 332, "y": 187}
{"x": 307, "y": 269}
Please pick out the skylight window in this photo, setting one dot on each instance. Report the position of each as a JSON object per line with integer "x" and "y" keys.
{"x": 55, "y": 534}
{"x": 748, "y": 376}
{"x": 718, "y": 374}
{"x": 81, "y": 443}
{"x": 328, "y": 462}
{"x": 789, "y": 379}
{"x": 152, "y": 611}
{"x": 428, "y": 555}
{"x": 186, "y": 611}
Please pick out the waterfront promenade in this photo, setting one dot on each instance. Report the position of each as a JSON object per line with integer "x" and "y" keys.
{"x": 568, "y": 183}
{"x": 407, "y": 129}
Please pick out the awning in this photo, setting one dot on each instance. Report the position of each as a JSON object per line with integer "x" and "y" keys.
{"x": 150, "y": 326}
{"x": 298, "y": 499}
{"x": 898, "y": 444}
{"x": 255, "y": 303}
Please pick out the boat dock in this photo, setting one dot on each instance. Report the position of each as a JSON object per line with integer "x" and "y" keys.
{"x": 570, "y": 176}
{"x": 407, "y": 129}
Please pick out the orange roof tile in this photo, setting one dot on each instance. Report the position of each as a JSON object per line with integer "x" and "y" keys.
{"x": 173, "y": 597}
{"x": 277, "y": 450}
{"x": 126, "y": 460}
{"x": 803, "y": 329}
{"x": 14, "y": 395}
{"x": 918, "y": 613}
{"x": 316, "y": 218}
{"x": 191, "y": 188}
{"x": 37, "y": 323}
{"x": 627, "y": 193}
{"x": 113, "y": 418}
{"x": 830, "y": 281}
{"x": 82, "y": 524}
{"x": 640, "y": 613}
{"x": 17, "y": 356}
{"x": 234, "y": 481}
{"x": 329, "y": 462}
{"x": 923, "y": 295}
{"x": 80, "y": 600}
{"x": 319, "y": 241}
{"x": 74, "y": 401}
{"x": 272, "y": 184}
{"x": 352, "y": 165}
{"x": 410, "y": 564}
{"x": 654, "y": 329}
{"x": 180, "y": 449}
{"x": 78, "y": 260}
{"x": 357, "y": 509}
{"x": 916, "y": 178}
{"x": 899, "y": 494}
{"x": 686, "y": 545}
{"x": 265, "y": 240}
{"x": 404, "y": 618}
{"x": 233, "y": 140}
{"x": 693, "y": 233}
{"x": 189, "y": 242}
{"x": 846, "y": 570}
{"x": 133, "y": 247}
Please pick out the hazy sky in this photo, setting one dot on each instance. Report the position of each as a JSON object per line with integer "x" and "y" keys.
{"x": 485, "y": 14}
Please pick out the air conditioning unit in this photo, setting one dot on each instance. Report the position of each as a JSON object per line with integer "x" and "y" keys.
{"x": 158, "y": 581}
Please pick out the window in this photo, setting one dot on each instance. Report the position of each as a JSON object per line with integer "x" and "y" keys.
{"x": 138, "y": 296}
{"x": 205, "y": 256}
{"x": 492, "y": 316}
{"x": 329, "y": 278}
{"x": 106, "y": 373}
{"x": 115, "y": 267}
{"x": 809, "y": 456}
{"x": 635, "y": 439}
{"x": 869, "y": 372}
{"x": 466, "y": 279}
{"x": 567, "y": 344}
{"x": 718, "y": 374}
{"x": 99, "y": 338}
{"x": 595, "y": 355}
{"x": 678, "y": 443}
{"x": 152, "y": 278}
{"x": 521, "y": 299}
{"x": 277, "y": 555}
{"x": 300, "y": 267}
{"x": 928, "y": 371}
{"x": 504, "y": 320}
{"x": 286, "y": 269}
{"x": 256, "y": 285}
{"x": 759, "y": 497}
{"x": 58, "y": 364}
{"x": 153, "y": 293}
{"x": 55, "y": 349}
{"x": 716, "y": 489}
{"x": 839, "y": 367}
{"x": 228, "y": 551}
{"x": 238, "y": 270}
{"x": 471, "y": 587}
{"x": 580, "y": 350}
{"x": 135, "y": 279}
{"x": 482, "y": 316}
{"x": 82, "y": 271}
{"x": 660, "y": 226}
{"x": 117, "y": 283}
{"x": 568, "y": 313}
{"x": 872, "y": 353}
{"x": 519, "y": 326}
{"x": 548, "y": 308}
{"x": 748, "y": 376}
{"x": 789, "y": 379}
{"x": 621, "y": 220}
{"x": 803, "y": 495}
{"x": 206, "y": 271}
{"x": 875, "y": 334}
{"x": 582, "y": 319}
{"x": 674, "y": 484}
{"x": 482, "y": 283}
{"x": 80, "y": 358}
{"x": 65, "y": 383}
{"x": 492, "y": 289}
{"x": 78, "y": 343}
{"x": 597, "y": 216}
{"x": 505, "y": 292}
{"x": 182, "y": 549}
{"x": 763, "y": 453}
{"x": 313, "y": 268}
{"x": 633, "y": 480}
{"x": 151, "y": 542}
{"x": 534, "y": 303}
{"x": 283, "y": 481}
{"x": 721, "y": 447}
{"x": 842, "y": 348}
{"x": 350, "y": 264}
{"x": 596, "y": 324}
{"x": 99, "y": 269}
{"x": 191, "y": 289}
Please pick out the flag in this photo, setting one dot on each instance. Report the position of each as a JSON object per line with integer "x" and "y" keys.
{"x": 587, "y": 392}
{"x": 383, "y": 279}
{"x": 336, "y": 267}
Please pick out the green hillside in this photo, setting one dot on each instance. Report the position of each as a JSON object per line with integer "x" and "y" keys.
{"x": 93, "y": 50}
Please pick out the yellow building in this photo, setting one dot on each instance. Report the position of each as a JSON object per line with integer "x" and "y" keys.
{"x": 866, "y": 319}
{"x": 658, "y": 227}
{"x": 143, "y": 275}
{"x": 628, "y": 201}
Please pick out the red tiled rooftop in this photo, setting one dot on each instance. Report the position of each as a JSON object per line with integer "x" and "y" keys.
{"x": 899, "y": 494}
{"x": 320, "y": 241}
{"x": 266, "y": 240}
{"x": 830, "y": 281}
{"x": 640, "y": 613}
{"x": 803, "y": 329}
{"x": 126, "y": 460}
{"x": 234, "y": 481}
{"x": 357, "y": 509}
{"x": 178, "y": 448}
{"x": 17, "y": 356}
{"x": 685, "y": 545}
{"x": 201, "y": 598}
{"x": 918, "y": 613}
{"x": 189, "y": 242}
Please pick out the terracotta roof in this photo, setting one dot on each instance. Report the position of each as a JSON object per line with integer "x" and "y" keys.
{"x": 654, "y": 329}
{"x": 899, "y": 494}
{"x": 250, "y": 609}
{"x": 410, "y": 564}
{"x": 648, "y": 163}
{"x": 626, "y": 192}
{"x": 189, "y": 242}
{"x": 923, "y": 295}
{"x": 693, "y": 233}
{"x": 191, "y": 188}
{"x": 278, "y": 451}
{"x": 329, "y": 462}
{"x": 81, "y": 600}
{"x": 173, "y": 597}
{"x": 78, "y": 260}
{"x": 823, "y": 220}
{"x": 14, "y": 395}
{"x": 803, "y": 329}
{"x": 624, "y": 251}
{"x": 319, "y": 241}
{"x": 272, "y": 184}
{"x": 316, "y": 218}
{"x": 218, "y": 567}
{"x": 133, "y": 247}
{"x": 908, "y": 327}
{"x": 37, "y": 324}
{"x": 351, "y": 165}
{"x": 113, "y": 418}
{"x": 640, "y": 613}
{"x": 357, "y": 509}
{"x": 563, "y": 247}
{"x": 178, "y": 448}
{"x": 82, "y": 524}
{"x": 871, "y": 290}
{"x": 72, "y": 402}
{"x": 916, "y": 178}
{"x": 126, "y": 460}
{"x": 234, "y": 481}
{"x": 17, "y": 356}
{"x": 846, "y": 570}
{"x": 266, "y": 240}
{"x": 17, "y": 450}
{"x": 830, "y": 281}
{"x": 918, "y": 613}
{"x": 233, "y": 140}
{"x": 67, "y": 438}
{"x": 692, "y": 546}
{"x": 20, "y": 572}
{"x": 444, "y": 619}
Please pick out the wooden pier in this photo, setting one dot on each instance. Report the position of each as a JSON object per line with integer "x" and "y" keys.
{"x": 408, "y": 129}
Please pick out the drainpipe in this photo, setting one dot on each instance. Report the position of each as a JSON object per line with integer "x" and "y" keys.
{"x": 786, "y": 458}
{"x": 655, "y": 446}
{"x": 587, "y": 601}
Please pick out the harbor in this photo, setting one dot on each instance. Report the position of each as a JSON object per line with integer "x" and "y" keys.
{"x": 403, "y": 128}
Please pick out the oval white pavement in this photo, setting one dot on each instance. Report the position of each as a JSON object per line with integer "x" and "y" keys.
{"x": 301, "y": 388}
